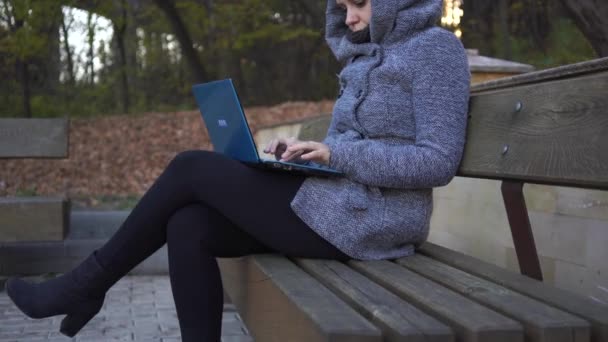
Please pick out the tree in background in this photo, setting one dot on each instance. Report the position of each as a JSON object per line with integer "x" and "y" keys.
{"x": 273, "y": 49}
{"x": 539, "y": 32}
{"x": 199, "y": 74}
{"x": 30, "y": 44}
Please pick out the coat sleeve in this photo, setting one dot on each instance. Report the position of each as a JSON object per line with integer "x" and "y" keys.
{"x": 440, "y": 93}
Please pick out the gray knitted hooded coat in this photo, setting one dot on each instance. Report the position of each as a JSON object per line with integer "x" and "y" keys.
{"x": 397, "y": 130}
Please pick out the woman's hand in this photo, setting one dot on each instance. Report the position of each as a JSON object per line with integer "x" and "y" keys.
{"x": 309, "y": 150}
{"x": 279, "y": 146}
{"x": 288, "y": 149}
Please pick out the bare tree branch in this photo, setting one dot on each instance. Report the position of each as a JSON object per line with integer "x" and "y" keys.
{"x": 591, "y": 17}
{"x": 183, "y": 36}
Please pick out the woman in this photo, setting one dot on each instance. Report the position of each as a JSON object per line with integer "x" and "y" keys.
{"x": 397, "y": 130}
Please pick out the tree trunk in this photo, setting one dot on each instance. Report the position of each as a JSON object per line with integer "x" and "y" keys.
{"x": 120, "y": 28}
{"x": 591, "y": 17}
{"x": 478, "y": 25}
{"x": 210, "y": 37}
{"x": 537, "y": 20}
{"x": 183, "y": 36}
{"x": 24, "y": 74}
{"x": 503, "y": 15}
{"x": 68, "y": 52}
{"x": 315, "y": 10}
{"x": 51, "y": 65}
{"x": 90, "y": 67}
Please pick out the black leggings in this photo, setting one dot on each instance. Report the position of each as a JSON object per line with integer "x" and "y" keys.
{"x": 205, "y": 205}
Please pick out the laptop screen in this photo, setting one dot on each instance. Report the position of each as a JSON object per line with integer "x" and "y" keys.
{"x": 226, "y": 123}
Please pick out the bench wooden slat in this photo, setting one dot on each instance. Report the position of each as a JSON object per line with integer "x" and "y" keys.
{"x": 280, "y": 302}
{"x": 558, "y": 137}
{"x": 593, "y": 312}
{"x": 399, "y": 320}
{"x": 471, "y": 321}
{"x": 33, "y": 218}
{"x": 541, "y": 322}
{"x": 34, "y": 138}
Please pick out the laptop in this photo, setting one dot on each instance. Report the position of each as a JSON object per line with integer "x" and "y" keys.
{"x": 230, "y": 134}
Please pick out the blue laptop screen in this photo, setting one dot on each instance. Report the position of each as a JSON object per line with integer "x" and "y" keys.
{"x": 225, "y": 120}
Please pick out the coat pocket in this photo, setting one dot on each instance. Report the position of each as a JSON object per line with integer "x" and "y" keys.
{"x": 407, "y": 214}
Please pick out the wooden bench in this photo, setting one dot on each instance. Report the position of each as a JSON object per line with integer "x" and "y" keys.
{"x": 33, "y": 218}
{"x": 547, "y": 127}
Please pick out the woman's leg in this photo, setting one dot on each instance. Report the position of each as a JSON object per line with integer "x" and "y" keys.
{"x": 227, "y": 186}
{"x": 196, "y": 235}
{"x": 194, "y": 273}
{"x": 254, "y": 218}
{"x": 248, "y": 197}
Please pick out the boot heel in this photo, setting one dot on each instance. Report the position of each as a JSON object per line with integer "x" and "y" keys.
{"x": 72, "y": 323}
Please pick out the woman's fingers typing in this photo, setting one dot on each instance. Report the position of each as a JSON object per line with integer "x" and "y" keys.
{"x": 309, "y": 150}
{"x": 287, "y": 149}
{"x": 290, "y": 155}
{"x": 272, "y": 146}
{"x": 279, "y": 146}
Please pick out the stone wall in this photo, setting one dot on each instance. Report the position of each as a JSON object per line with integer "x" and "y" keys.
{"x": 570, "y": 227}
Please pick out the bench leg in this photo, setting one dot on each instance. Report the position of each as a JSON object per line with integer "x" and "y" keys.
{"x": 523, "y": 239}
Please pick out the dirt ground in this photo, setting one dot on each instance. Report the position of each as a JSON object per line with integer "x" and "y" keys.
{"x": 114, "y": 159}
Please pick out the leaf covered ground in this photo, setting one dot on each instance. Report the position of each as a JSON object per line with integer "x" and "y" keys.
{"x": 118, "y": 157}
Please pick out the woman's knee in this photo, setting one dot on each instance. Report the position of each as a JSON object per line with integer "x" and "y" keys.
{"x": 186, "y": 224}
{"x": 196, "y": 224}
{"x": 186, "y": 160}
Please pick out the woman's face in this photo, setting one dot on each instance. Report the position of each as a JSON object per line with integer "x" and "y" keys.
{"x": 358, "y": 13}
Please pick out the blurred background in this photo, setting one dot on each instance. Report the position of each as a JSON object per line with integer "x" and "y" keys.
{"x": 82, "y": 58}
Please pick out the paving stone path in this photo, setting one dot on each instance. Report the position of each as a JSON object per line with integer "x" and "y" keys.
{"x": 137, "y": 308}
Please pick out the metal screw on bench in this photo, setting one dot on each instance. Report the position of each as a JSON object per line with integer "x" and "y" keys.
{"x": 505, "y": 149}
{"x": 518, "y": 106}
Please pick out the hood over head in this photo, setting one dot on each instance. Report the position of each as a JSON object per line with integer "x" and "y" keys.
{"x": 392, "y": 20}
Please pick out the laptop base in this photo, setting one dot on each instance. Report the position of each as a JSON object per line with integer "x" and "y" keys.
{"x": 295, "y": 169}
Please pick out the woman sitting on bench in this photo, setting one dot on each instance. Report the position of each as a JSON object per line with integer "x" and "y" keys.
{"x": 397, "y": 130}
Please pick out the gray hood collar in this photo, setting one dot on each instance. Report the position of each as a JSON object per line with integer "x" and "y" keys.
{"x": 392, "y": 20}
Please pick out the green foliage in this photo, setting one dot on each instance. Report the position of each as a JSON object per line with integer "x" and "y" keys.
{"x": 47, "y": 106}
{"x": 537, "y": 32}
{"x": 564, "y": 45}
{"x": 26, "y": 192}
{"x": 273, "y": 49}
{"x": 112, "y": 202}
{"x": 26, "y": 18}
{"x": 272, "y": 33}
{"x": 250, "y": 23}
{"x": 105, "y": 202}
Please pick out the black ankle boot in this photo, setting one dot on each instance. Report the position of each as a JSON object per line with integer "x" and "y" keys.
{"x": 79, "y": 294}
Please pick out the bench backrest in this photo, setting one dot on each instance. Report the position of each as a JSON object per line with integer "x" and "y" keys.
{"x": 34, "y": 138}
{"x": 547, "y": 127}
